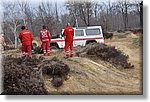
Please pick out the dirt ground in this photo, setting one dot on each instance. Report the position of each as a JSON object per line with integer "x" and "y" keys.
{"x": 90, "y": 75}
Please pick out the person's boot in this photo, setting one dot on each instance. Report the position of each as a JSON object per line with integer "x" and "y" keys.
{"x": 48, "y": 54}
{"x": 44, "y": 54}
{"x": 71, "y": 55}
{"x": 67, "y": 55}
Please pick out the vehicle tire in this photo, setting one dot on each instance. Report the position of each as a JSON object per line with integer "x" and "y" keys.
{"x": 54, "y": 47}
{"x": 91, "y": 42}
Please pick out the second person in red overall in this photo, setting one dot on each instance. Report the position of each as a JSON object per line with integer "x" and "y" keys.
{"x": 26, "y": 39}
{"x": 46, "y": 39}
{"x": 68, "y": 35}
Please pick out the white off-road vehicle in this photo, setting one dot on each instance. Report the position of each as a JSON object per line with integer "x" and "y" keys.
{"x": 82, "y": 36}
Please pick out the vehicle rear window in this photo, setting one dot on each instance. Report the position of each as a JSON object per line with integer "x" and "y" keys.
{"x": 93, "y": 32}
{"x": 79, "y": 33}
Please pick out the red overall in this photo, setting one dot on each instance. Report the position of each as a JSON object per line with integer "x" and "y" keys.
{"x": 46, "y": 39}
{"x": 69, "y": 34}
{"x": 26, "y": 38}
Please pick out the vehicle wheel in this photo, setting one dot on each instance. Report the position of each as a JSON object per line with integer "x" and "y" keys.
{"x": 53, "y": 48}
{"x": 92, "y": 42}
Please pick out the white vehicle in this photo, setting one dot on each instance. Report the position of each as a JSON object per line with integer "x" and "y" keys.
{"x": 82, "y": 36}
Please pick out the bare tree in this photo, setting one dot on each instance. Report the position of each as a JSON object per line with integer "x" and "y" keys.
{"x": 86, "y": 12}
{"x": 11, "y": 18}
{"x": 27, "y": 13}
{"x": 47, "y": 14}
{"x": 96, "y": 10}
{"x": 81, "y": 9}
{"x": 23, "y": 7}
{"x": 124, "y": 5}
{"x": 72, "y": 7}
{"x": 56, "y": 10}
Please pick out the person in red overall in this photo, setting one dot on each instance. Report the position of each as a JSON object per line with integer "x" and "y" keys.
{"x": 46, "y": 39}
{"x": 26, "y": 39}
{"x": 68, "y": 35}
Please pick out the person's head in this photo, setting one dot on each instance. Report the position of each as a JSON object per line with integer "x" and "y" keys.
{"x": 68, "y": 24}
{"x": 44, "y": 27}
{"x": 23, "y": 27}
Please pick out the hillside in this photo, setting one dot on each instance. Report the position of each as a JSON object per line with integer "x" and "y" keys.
{"x": 90, "y": 74}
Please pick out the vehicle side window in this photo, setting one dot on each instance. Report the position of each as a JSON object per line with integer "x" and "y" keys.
{"x": 79, "y": 33}
{"x": 93, "y": 31}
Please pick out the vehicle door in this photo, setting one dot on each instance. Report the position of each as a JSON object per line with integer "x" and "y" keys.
{"x": 79, "y": 37}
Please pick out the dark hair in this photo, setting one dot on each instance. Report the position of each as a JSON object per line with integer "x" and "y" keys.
{"x": 44, "y": 27}
{"x": 23, "y": 27}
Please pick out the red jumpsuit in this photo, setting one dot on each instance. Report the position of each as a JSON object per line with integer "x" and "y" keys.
{"x": 26, "y": 38}
{"x": 69, "y": 34}
{"x": 46, "y": 39}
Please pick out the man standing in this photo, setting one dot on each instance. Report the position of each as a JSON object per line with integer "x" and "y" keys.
{"x": 26, "y": 38}
{"x": 68, "y": 35}
{"x": 46, "y": 39}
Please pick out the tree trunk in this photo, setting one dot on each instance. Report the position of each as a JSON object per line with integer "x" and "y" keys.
{"x": 15, "y": 42}
{"x": 16, "y": 38}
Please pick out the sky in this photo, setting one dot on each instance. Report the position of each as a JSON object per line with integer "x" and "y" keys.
{"x": 36, "y": 2}
{"x": 62, "y": 1}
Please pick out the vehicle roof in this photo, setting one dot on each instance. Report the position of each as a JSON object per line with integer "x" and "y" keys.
{"x": 87, "y": 27}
